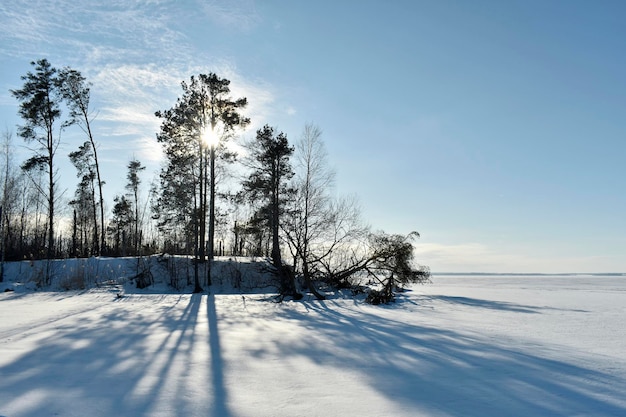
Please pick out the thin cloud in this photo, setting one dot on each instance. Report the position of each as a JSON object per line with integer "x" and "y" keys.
{"x": 132, "y": 94}
{"x": 260, "y": 99}
{"x": 135, "y": 92}
{"x": 238, "y": 14}
{"x": 129, "y": 50}
{"x": 135, "y": 54}
{"x": 480, "y": 257}
{"x": 131, "y": 28}
{"x": 472, "y": 257}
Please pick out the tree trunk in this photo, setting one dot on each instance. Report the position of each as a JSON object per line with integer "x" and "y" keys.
{"x": 196, "y": 275}
{"x": 75, "y": 236}
{"x": 136, "y": 237}
{"x": 288, "y": 282}
{"x": 95, "y": 243}
{"x": 50, "y": 250}
{"x": 100, "y": 244}
{"x": 201, "y": 213}
{"x": 2, "y": 242}
{"x": 276, "y": 258}
{"x": 211, "y": 215}
{"x": 309, "y": 282}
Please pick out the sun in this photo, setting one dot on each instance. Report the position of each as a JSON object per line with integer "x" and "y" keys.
{"x": 210, "y": 138}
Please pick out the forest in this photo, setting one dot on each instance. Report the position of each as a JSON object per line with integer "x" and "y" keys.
{"x": 271, "y": 197}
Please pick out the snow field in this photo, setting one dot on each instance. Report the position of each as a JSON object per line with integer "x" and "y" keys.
{"x": 462, "y": 346}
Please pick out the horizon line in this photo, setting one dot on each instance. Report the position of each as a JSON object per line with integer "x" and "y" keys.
{"x": 532, "y": 273}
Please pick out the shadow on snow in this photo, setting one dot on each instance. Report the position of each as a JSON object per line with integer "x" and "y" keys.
{"x": 128, "y": 362}
{"x": 123, "y": 362}
{"x": 448, "y": 372}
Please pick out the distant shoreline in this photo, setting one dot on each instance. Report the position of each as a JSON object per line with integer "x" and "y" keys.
{"x": 524, "y": 274}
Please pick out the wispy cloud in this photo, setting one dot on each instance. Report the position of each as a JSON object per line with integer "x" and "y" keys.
{"x": 473, "y": 257}
{"x": 260, "y": 97}
{"x": 135, "y": 92}
{"x": 135, "y": 53}
{"x": 136, "y": 88}
{"x": 458, "y": 257}
{"x": 238, "y": 14}
{"x": 113, "y": 30}
{"x": 478, "y": 257}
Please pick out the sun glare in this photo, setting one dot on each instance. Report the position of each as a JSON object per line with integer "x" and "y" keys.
{"x": 210, "y": 138}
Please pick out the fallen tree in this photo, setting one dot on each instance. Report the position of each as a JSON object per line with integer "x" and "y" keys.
{"x": 383, "y": 259}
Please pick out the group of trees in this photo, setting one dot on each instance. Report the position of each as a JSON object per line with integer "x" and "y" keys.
{"x": 282, "y": 206}
{"x": 287, "y": 192}
{"x": 52, "y": 101}
{"x": 193, "y": 135}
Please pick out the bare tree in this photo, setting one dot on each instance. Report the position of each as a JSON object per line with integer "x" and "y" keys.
{"x": 22, "y": 224}
{"x": 325, "y": 233}
{"x": 310, "y": 209}
{"x": 339, "y": 248}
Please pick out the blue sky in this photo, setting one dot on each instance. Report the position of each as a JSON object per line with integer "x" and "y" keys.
{"x": 496, "y": 129}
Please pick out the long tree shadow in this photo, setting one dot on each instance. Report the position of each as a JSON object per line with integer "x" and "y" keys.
{"x": 447, "y": 371}
{"x": 149, "y": 355}
{"x": 497, "y": 305}
{"x": 125, "y": 361}
{"x": 220, "y": 394}
{"x": 488, "y": 304}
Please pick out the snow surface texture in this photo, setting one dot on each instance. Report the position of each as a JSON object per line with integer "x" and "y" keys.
{"x": 462, "y": 346}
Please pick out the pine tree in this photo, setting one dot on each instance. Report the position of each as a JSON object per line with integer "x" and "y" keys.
{"x": 121, "y": 224}
{"x": 204, "y": 110}
{"x": 76, "y": 91}
{"x": 268, "y": 184}
{"x": 134, "y": 167}
{"x": 85, "y": 196}
{"x": 40, "y": 99}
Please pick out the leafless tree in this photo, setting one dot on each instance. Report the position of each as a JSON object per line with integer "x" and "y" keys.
{"x": 320, "y": 228}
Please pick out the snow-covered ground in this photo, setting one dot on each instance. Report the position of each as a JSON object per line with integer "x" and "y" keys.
{"x": 462, "y": 346}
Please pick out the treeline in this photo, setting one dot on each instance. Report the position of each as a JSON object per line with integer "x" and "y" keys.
{"x": 38, "y": 222}
{"x": 270, "y": 198}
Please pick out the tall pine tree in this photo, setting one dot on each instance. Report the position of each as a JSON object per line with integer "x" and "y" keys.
{"x": 76, "y": 91}
{"x": 205, "y": 109}
{"x": 40, "y": 107}
{"x": 268, "y": 184}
